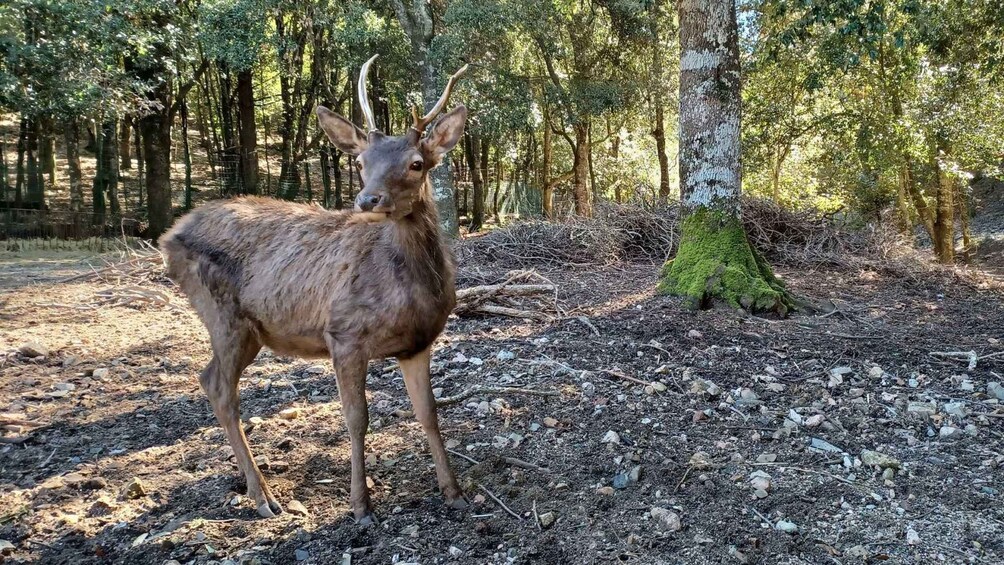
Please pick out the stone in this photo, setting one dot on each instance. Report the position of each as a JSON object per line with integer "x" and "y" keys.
{"x": 949, "y": 432}
{"x": 547, "y": 519}
{"x": 880, "y": 460}
{"x": 134, "y": 489}
{"x": 6, "y": 547}
{"x": 700, "y": 460}
{"x": 94, "y": 483}
{"x": 455, "y": 551}
{"x": 290, "y": 413}
{"x": 876, "y": 372}
{"x": 786, "y": 526}
{"x": 550, "y": 422}
{"x": 658, "y": 386}
{"x": 33, "y": 349}
{"x": 889, "y": 474}
{"x": 611, "y": 437}
{"x": 635, "y": 474}
{"x": 694, "y": 334}
{"x": 620, "y": 481}
{"x": 704, "y": 386}
{"x": 956, "y": 409}
{"x": 995, "y": 390}
{"x": 925, "y": 409}
{"x": 814, "y": 420}
{"x": 100, "y": 373}
{"x": 301, "y": 554}
{"x": 666, "y": 519}
{"x": 605, "y": 491}
{"x": 315, "y": 370}
{"x": 912, "y": 537}
{"x": 857, "y": 552}
{"x": 820, "y": 445}
{"x": 297, "y": 507}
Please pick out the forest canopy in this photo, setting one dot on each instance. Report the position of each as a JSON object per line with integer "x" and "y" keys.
{"x": 880, "y": 110}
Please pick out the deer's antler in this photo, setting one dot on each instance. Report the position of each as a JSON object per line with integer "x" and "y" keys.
{"x": 422, "y": 122}
{"x": 364, "y": 98}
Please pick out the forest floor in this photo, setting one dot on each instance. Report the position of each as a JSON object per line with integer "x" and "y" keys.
{"x": 821, "y": 438}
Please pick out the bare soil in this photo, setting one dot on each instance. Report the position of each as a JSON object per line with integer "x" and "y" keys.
{"x": 117, "y": 399}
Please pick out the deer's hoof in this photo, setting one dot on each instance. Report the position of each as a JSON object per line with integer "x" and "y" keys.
{"x": 367, "y": 519}
{"x": 269, "y": 509}
{"x": 458, "y": 503}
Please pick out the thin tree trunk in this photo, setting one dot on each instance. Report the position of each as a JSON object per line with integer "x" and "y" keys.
{"x": 326, "y": 177}
{"x": 140, "y": 164}
{"x": 98, "y": 206}
{"x": 125, "y": 145}
{"x": 19, "y": 169}
{"x": 71, "y": 138}
{"x": 47, "y": 150}
{"x": 962, "y": 204}
{"x": 944, "y": 224}
{"x": 187, "y": 155}
{"x": 580, "y": 171}
{"x": 547, "y": 189}
{"x": 35, "y": 185}
{"x": 336, "y": 163}
{"x": 110, "y": 166}
{"x": 472, "y": 147}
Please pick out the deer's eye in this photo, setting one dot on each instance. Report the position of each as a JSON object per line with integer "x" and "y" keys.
{"x": 359, "y": 165}
{"x": 416, "y": 166}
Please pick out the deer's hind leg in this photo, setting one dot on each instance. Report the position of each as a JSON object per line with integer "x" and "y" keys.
{"x": 234, "y": 347}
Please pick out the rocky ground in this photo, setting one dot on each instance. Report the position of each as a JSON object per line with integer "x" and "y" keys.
{"x": 865, "y": 434}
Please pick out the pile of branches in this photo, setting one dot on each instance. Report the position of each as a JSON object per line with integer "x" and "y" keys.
{"x": 632, "y": 233}
{"x": 523, "y": 294}
{"x": 133, "y": 279}
{"x": 617, "y": 233}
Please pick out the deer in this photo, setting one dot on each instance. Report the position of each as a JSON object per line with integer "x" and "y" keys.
{"x": 350, "y": 286}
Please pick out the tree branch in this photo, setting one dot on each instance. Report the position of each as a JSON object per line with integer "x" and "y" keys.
{"x": 185, "y": 88}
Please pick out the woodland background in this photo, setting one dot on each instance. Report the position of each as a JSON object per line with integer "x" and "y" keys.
{"x": 121, "y": 115}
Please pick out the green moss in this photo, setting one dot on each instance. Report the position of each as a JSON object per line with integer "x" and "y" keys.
{"x": 716, "y": 263}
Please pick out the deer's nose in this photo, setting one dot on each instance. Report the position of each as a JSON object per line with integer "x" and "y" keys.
{"x": 366, "y": 202}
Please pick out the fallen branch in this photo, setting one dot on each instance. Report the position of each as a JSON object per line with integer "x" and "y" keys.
{"x": 499, "y": 502}
{"x": 621, "y": 375}
{"x": 958, "y": 356}
{"x": 506, "y": 311}
{"x": 479, "y": 389}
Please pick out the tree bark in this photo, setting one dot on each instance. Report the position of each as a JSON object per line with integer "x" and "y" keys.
{"x": 473, "y": 152}
{"x": 416, "y": 21}
{"x": 580, "y": 172}
{"x": 47, "y": 150}
{"x": 125, "y": 145}
{"x": 944, "y": 223}
{"x": 248, "y": 134}
{"x": 547, "y": 189}
{"x": 715, "y": 261}
{"x": 71, "y": 138}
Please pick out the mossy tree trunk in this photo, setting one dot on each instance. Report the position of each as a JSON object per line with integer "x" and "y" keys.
{"x": 715, "y": 261}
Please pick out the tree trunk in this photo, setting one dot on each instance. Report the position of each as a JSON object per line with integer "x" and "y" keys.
{"x": 547, "y": 189}
{"x": 140, "y": 165}
{"x": 125, "y": 145}
{"x": 47, "y": 150}
{"x": 71, "y": 138}
{"x": 962, "y": 205}
{"x": 659, "y": 133}
{"x": 336, "y": 163}
{"x": 580, "y": 172}
{"x": 248, "y": 135}
{"x": 34, "y": 183}
{"x": 98, "y": 205}
{"x": 715, "y": 261}
{"x": 110, "y": 166}
{"x": 944, "y": 223}
{"x": 186, "y": 155}
{"x": 19, "y": 172}
{"x": 156, "y": 132}
{"x": 473, "y": 146}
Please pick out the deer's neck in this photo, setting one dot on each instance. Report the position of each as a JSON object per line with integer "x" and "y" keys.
{"x": 420, "y": 242}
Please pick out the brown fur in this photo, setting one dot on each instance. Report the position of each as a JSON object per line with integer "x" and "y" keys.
{"x": 309, "y": 282}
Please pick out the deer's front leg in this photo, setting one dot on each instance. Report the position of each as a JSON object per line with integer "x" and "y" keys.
{"x": 351, "y": 378}
{"x": 416, "y": 380}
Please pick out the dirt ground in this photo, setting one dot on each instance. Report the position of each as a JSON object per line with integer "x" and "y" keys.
{"x": 826, "y": 438}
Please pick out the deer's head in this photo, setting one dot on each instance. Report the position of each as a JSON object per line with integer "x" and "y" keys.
{"x": 394, "y": 169}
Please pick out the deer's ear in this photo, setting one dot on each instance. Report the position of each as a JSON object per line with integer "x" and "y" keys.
{"x": 446, "y": 133}
{"x": 342, "y": 133}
